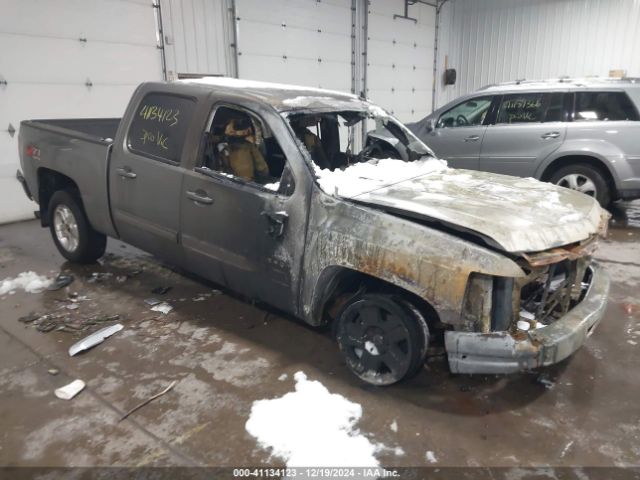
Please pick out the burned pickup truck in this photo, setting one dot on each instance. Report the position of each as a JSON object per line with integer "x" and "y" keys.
{"x": 278, "y": 193}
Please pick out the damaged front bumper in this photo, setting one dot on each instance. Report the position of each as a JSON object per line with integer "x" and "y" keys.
{"x": 501, "y": 352}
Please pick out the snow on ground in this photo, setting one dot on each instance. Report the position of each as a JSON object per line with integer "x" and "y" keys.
{"x": 312, "y": 427}
{"x": 431, "y": 457}
{"x": 30, "y": 282}
{"x": 363, "y": 177}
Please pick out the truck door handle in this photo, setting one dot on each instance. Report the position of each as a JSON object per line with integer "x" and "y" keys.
{"x": 126, "y": 172}
{"x": 199, "y": 196}
{"x": 550, "y": 135}
{"x": 472, "y": 138}
{"x": 277, "y": 221}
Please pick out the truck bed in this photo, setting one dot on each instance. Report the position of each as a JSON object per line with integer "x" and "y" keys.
{"x": 92, "y": 129}
{"x": 78, "y": 149}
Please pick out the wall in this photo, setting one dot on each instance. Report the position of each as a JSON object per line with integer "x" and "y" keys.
{"x": 400, "y": 58}
{"x": 197, "y": 36}
{"x": 310, "y": 42}
{"x": 490, "y": 41}
{"x": 68, "y": 58}
{"x": 303, "y": 42}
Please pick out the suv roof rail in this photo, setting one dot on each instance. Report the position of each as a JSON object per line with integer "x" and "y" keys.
{"x": 576, "y": 81}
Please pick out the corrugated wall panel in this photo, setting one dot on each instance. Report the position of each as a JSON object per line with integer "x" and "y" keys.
{"x": 490, "y": 41}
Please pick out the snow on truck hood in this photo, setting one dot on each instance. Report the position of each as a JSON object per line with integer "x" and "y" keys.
{"x": 517, "y": 214}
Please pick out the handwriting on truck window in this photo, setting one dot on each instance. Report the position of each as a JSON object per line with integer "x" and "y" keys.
{"x": 168, "y": 116}
{"x": 155, "y": 138}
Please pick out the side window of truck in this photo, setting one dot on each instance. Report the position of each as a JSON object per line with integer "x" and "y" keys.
{"x": 239, "y": 144}
{"x": 160, "y": 125}
{"x": 608, "y": 106}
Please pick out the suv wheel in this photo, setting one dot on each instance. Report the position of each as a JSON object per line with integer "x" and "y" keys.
{"x": 585, "y": 179}
{"x": 76, "y": 240}
{"x": 383, "y": 338}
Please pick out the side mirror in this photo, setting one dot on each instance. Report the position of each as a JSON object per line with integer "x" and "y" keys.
{"x": 431, "y": 125}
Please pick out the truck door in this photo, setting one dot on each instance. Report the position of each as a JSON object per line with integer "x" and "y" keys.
{"x": 459, "y": 131}
{"x": 145, "y": 176}
{"x": 247, "y": 233}
{"x": 528, "y": 128}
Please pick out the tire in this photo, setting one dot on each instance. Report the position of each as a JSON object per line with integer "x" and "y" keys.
{"x": 74, "y": 237}
{"x": 383, "y": 338}
{"x": 586, "y": 179}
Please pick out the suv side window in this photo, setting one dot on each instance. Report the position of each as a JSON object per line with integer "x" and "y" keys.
{"x": 604, "y": 106}
{"x": 472, "y": 112}
{"x": 240, "y": 145}
{"x": 532, "y": 107}
{"x": 159, "y": 126}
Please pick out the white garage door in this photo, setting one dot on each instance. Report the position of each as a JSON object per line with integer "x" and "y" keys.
{"x": 304, "y": 42}
{"x": 400, "y": 58}
{"x": 68, "y": 58}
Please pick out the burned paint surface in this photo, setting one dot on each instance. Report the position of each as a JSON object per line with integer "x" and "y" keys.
{"x": 429, "y": 263}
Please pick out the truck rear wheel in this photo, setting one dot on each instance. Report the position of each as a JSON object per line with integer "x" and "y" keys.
{"x": 383, "y": 338}
{"x": 585, "y": 179}
{"x": 76, "y": 240}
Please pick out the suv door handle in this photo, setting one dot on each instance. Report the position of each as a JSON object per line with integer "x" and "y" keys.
{"x": 199, "y": 196}
{"x": 277, "y": 221}
{"x": 550, "y": 135}
{"x": 472, "y": 138}
{"x": 126, "y": 173}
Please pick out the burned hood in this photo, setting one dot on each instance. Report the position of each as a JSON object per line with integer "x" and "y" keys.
{"x": 514, "y": 214}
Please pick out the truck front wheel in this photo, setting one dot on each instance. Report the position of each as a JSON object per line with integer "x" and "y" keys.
{"x": 76, "y": 240}
{"x": 383, "y": 338}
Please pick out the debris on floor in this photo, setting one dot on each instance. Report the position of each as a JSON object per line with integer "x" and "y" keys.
{"x": 629, "y": 308}
{"x": 283, "y": 425}
{"x": 282, "y": 377}
{"x": 62, "y": 322}
{"x": 431, "y": 457}
{"x": 71, "y": 390}
{"x": 149, "y": 400}
{"x": 546, "y": 381}
{"x": 163, "y": 308}
{"x": 94, "y": 339}
{"x": 394, "y": 426}
{"x": 53, "y": 371}
{"x": 29, "y": 281}
{"x": 161, "y": 290}
{"x": 152, "y": 302}
{"x": 98, "y": 277}
{"x": 61, "y": 281}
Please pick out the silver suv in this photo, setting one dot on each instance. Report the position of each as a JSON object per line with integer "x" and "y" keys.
{"x": 582, "y": 134}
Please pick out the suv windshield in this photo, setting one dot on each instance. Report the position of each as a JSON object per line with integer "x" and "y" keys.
{"x": 334, "y": 140}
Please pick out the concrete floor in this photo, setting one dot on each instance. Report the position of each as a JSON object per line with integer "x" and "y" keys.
{"x": 225, "y": 353}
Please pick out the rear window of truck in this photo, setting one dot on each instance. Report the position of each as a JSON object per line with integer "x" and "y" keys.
{"x": 159, "y": 126}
